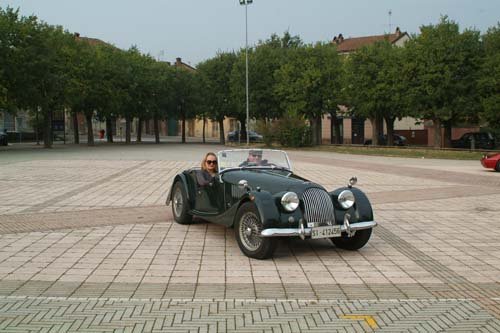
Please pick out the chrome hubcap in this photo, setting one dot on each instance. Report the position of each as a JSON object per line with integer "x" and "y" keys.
{"x": 250, "y": 229}
{"x": 177, "y": 202}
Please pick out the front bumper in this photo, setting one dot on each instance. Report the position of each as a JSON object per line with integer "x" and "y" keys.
{"x": 305, "y": 232}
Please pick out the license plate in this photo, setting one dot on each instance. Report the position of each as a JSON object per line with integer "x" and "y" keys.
{"x": 326, "y": 231}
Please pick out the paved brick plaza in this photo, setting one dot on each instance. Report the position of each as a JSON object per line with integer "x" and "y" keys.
{"x": 86, "y": 244}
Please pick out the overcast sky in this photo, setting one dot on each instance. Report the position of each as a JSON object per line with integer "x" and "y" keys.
{"x": 196, "y": 29}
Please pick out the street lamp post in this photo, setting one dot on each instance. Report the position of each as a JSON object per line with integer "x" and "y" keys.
{"x": 246, "y": 3}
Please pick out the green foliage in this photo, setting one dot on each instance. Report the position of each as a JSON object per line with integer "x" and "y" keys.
{"x": 264, "y": 61}
{"x": 288, "y": 131}
{"x": 442, "y": 67}
{"x": 375, "y": 87}
{"x": 215, "y": 74}
{"x": 293, "y": 132}
{"x": 489, "y": 82}
{"x": 442, "y": 74}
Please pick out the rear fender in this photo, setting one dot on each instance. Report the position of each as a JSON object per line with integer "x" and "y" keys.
{"x": 182, "y": 178}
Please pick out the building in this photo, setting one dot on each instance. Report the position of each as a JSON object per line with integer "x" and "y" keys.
{"x": 357, "y": 130}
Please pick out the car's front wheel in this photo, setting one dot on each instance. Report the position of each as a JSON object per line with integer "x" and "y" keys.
{"x": 357, "y": 241}
{"x": 180, "y": 204}
{"x": 497, "y": 167}
{"x": 248, "y": 227}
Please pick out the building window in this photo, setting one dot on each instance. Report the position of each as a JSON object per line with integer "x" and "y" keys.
{"x": 233, "y": 125}
{"x": 215, "y": 128}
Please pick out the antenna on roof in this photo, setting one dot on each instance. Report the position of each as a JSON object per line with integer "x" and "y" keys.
{"x": 390, "y": 23}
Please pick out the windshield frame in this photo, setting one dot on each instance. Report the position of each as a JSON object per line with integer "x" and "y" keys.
{"x": 255, "y": 167}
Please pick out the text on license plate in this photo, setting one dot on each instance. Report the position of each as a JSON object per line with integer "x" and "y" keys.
{"x": 326, "y": 231}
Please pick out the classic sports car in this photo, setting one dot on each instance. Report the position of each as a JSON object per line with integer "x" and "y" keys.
{"x": 491, "y": 161}
{"x": 264, "y": 200}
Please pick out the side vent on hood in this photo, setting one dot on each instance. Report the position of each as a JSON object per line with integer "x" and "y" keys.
{"x": 237, "y": 192}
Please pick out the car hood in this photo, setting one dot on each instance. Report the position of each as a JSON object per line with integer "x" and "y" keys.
{"x": 272, "y": 181}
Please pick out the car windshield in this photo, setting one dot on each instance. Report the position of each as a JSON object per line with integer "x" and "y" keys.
{"x": 253, "y": 158}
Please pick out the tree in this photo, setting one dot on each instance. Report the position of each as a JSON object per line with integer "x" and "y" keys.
{"x": 215, "y": 74}
{"x": 185, "y": 98}
{"x": 162, "y": 92}
{"x": 375, "y": 88}
{"x": 442, "y": 69}
{"x": 41, "y": 70}
{"x": 265, "y": 60}
{"x": 85, "y": 84}
{"x": 489, "y": 81}
{"x": 309, "y": 82}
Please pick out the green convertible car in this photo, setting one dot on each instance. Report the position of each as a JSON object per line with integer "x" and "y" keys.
{"x": 263, "y": 199}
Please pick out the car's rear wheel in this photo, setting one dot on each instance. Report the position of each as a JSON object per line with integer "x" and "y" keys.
{"x": 497, "y": 167}
{"x": 357, "y": 241}
{"x": 180, "y": 204}
{"x": 247, "y": 231}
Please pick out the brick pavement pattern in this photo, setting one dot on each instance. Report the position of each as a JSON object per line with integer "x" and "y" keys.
{"x": 86, "y": 243}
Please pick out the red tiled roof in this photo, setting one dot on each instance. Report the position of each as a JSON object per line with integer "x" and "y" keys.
{"x": 179, "y": 63}
{"x": 92, "y": 41}
{"x": 351, "y": 44}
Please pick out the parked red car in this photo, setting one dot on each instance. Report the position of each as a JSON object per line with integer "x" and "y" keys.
{"x": 491, "y": 161}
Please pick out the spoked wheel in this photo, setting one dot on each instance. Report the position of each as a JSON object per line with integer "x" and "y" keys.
{"x": 247, "y": 231}
{"x": 180, "y": 205}
{"x": 357, "y": 241}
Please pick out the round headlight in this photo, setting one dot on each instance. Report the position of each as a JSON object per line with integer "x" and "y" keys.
{"x": 290, "y": 201}
{"x": 346, "y": 199}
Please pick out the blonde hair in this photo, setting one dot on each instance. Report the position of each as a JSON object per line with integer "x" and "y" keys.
{"x": 204, "y": 161}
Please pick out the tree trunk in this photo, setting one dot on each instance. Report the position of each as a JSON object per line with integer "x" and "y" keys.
{"x": 319, "y": 130}
{"x": 76, "y": 132}
{"x": 447, "y": 134}
{"x": 156, "y": 125}
{"x": 437, "y": 133}
{"x": 243, "y": 132}
{"x": 183, "y": 129}
{"x": 47, "y": 133}
{"x": 109, "y": 130}
{"x": 222, "y": 138}
{"x": 128, "y": 126}
{"x": 375, "y": 131}
{"x": 37, "y": 133}
{"x": 90, "y": 130}
{"x": 315, "y": 124}
{"x": 334, "y": 128}
{"x": 389, "y": 121}
{"x": 139, "y": 130}
{"x": 204, "y": 124}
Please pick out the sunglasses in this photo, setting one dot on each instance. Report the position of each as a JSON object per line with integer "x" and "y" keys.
{"x": 211, "y": 162}
{"x": 256, "y": 155}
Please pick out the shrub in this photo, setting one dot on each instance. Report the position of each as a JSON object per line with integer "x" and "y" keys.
{"x": 289, "y": 131}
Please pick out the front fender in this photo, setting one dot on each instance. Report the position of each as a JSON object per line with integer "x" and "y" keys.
{"x": 360, "y": 211}
{"x": 266, "y": 205}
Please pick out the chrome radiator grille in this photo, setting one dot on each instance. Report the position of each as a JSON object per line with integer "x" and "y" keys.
{"x": 318, "y": 207}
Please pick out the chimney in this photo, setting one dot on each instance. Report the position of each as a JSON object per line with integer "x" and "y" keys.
{"x": 341, "y": 38}
{"x": 77, "y": 35}
{"x": 178, "y": 61}
{"x": 398, "y": 32}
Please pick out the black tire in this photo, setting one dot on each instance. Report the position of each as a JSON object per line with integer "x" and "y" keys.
{"x": 353, "y": 243}
{"x": 497, "y": 167}
{"x": 247, "y": 229}
{"x": 180, "y": 204}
